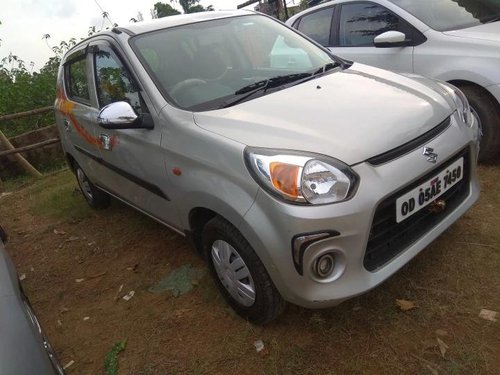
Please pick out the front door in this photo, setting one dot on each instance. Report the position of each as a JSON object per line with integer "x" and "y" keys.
{"x": 357, "y": 26}
{"x": 133, "y": 164}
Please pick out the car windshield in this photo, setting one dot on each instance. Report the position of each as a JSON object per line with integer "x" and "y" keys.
{"x": 446, "y": 15}
{"x": 222, "y": 62}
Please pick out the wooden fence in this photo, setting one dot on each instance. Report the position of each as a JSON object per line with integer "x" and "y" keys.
{"x": 16, "y": 152}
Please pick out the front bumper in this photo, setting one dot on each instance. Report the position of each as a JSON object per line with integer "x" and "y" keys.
{"x": 270, "y": 225}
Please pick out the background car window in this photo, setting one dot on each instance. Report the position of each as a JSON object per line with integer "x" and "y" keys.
{"x": 77, "y": 80}
{"x": 360, "y": 23}
{"x": 113, "y": 81}
{"x": 317, "y": 26}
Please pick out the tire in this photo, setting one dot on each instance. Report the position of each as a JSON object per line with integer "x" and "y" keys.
{"x": 3, "y": 235}
{"x": 487, "y": 111}
{"x": 219, "y": 238}
{"x": 94, "y": 196}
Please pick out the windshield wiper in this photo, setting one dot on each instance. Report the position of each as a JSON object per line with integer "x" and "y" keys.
{"x": 325, "y": 68}
{"x": 263, "y": 86}
{"x": 490, "y": 19}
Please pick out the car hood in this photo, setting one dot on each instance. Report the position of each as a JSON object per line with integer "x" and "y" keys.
{"x": 488, "y": 31}
{"x": 351, "y": 115}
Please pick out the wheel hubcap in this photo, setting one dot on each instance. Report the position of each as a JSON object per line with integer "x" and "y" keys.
{"x": 233, "y": 273}
{"x": 83, "y": 181}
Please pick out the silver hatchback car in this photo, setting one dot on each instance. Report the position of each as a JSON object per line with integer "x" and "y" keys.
{"x": 300, "y": 177}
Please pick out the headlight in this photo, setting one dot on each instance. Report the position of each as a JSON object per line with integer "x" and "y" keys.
{"x": 461, "y": 103}
{"x": 301, "y": 178}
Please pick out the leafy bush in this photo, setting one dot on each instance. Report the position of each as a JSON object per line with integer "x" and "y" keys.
{"x": 24, "y": 90}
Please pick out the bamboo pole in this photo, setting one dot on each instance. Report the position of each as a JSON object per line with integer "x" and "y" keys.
{"x": 30, "y": 147}
{"x": 14, "y": 116}
{"x": 3, "y": 139}
{"x": 22, "y": 161}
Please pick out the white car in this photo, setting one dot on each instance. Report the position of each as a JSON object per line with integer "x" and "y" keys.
{"x": 449, "y": 40}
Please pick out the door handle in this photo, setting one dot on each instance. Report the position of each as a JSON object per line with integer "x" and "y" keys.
{"x": 67, "y": 125}
{"x": 105, "y": 142}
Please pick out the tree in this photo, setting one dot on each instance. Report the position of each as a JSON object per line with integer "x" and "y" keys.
{"x": 47, "y": 37}
{"x": 163, "y": 10}
{"x": 21, "y": 89}
{"x": 192, "y": 6}
{"x": 197, "y": 8}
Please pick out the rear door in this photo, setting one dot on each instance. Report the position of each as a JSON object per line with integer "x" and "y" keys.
{"x": 133, "y": 164}
{"x": 75, "y": 113}
{"x": 317, "y": 25}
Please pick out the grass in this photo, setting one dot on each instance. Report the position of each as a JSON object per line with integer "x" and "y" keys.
{"x": 61, "y": 200}
{"x": 111, "y": 358}
{"x": 450, "y": 282}
{"x": 15, "y": 183}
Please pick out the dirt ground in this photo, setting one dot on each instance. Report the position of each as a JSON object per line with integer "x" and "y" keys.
{"x": 56, "y": 241}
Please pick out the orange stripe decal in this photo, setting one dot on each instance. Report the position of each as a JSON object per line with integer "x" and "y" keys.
{"x": 66, "y": 107}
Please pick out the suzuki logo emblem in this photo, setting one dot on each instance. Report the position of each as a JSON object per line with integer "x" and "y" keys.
{"x": 432, "y": 157}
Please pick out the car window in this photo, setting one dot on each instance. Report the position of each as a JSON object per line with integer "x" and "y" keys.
{"x": 360, "y": 23}
{"x": 265, "y": 52}
{"x": 113, "y": 81}
{"x": 445, "y": 15}
{"x": 282, "y": 56}
{"x": 76, "y": 80}
{"x": 317, "y": 25}
{"x": 203, "y": 65}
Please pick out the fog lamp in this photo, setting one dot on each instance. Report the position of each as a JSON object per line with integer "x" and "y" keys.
{"x": 324, "y": 265}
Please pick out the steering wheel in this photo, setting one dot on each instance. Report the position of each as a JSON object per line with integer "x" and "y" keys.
{"x": 186, "y": 84}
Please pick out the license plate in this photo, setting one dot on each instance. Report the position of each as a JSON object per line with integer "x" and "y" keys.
{"x": 429, "y": 191}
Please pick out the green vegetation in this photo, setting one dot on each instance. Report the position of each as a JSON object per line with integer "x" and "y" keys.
{"x": 21, "y": 89}
{"x": 111, "y": 359}
{"x": 63, "y": 200}
{"x": 161, "y": 10}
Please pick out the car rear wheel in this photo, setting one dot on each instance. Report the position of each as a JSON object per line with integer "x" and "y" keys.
{"x": 239, "y": 274}
{"x": 94, "y": 196}
{"x": 485, "y": 110}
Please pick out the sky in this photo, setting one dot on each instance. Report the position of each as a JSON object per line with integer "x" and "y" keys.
{"x": 25, "y": 22}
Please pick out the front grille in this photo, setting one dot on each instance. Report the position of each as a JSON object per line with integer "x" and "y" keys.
{"x": 389, "y": 238}
{"x": 411, "y": 145}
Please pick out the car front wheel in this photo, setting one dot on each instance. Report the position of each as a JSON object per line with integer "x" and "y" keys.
{"x": 239, "y": 274}
{"x": 485, "y": 111}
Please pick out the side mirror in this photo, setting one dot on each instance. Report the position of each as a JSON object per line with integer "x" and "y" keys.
{"x": 391, "y": 39}
{"x": 121, "y": 115}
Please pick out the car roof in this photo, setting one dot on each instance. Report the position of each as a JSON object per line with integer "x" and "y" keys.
{"x": 142, "y": 27}
{"x": 181, "y": 19}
